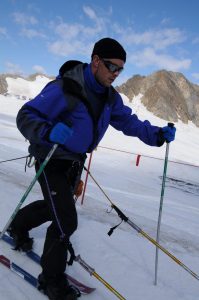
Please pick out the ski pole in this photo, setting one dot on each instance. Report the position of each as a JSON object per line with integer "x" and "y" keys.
{"x": 140, "y": 231}
{"x": 29, "y": 189}
{"x": 86, "y": 179}
{"x": 92, "y": 272}
{"x": 161, "y": 205}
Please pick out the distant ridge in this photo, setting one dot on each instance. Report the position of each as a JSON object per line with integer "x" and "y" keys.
{"x": 23, "y": 88}
{"x": 4, "y": 84}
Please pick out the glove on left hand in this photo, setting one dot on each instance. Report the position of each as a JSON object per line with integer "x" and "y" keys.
{"x": 168, "y": 133}
{"x": 60, "y": 133}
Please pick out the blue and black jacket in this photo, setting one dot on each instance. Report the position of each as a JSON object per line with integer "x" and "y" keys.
{"x": 94, "y": 108}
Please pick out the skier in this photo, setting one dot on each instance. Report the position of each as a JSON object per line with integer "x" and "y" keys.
{"x": 74, "y": 111}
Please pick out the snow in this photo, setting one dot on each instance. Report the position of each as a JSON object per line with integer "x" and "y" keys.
{"x": 126, "y": 259}
{"x": 28, "y": 89}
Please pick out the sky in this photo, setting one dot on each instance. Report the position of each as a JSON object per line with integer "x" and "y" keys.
{"x": 39, "y": 36}
{"x": 125, "y": 260}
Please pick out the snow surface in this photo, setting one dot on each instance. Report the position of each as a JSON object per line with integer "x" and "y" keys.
{"x": 20, "y": 86}
{"x": 126, "y": 259}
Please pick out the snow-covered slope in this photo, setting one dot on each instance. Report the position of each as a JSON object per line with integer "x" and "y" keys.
{"x": 25, "y": 89}
{"x": 185, "y": 148}
{"x": 125, "y": 260}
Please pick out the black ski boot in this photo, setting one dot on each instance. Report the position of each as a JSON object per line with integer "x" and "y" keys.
{"x": 21, "y": 240}
{"x": 57, "y": 287}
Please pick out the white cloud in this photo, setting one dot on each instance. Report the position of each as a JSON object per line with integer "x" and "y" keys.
{"x": 165, "y": 21}
{"x": 158, "y": 39}
{"x": 13, "y": 68}
{"x": 3, "y": 32}
{"x": 66, "y": 48}
{"x": 100, "y": 22}
{"x": 39, "y": 69}
{"x": 24, "y": 19}
{"x": 26, "y": 22}
{"x": 148, "y": 57}
{"x": 90, "y": 13}
{"x": 32, "y": 33}
{"x": 76, "y": 38}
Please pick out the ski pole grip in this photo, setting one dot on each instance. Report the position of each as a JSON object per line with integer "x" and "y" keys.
{"x": 171, "y": 125}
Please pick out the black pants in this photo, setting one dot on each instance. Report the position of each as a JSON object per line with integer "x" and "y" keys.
{"x": 58, "y": 206}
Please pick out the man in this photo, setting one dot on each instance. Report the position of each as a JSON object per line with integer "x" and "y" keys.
{"x": 49, "y": 119}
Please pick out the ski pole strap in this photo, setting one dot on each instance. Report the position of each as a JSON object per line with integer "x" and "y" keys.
{"x": 72, "y": 254}
{"x": 30, "y": 162}
{"x": 65, "y": 240}
{"x": 121, "y": 215}
{"x": 113, "y": 228}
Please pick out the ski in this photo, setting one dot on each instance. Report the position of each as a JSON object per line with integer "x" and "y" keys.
{"x": 19, "y": 271}
{"x": 84, "y": 289}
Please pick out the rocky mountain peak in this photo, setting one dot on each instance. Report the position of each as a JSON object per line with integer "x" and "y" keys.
{"x": 168, "y": 95}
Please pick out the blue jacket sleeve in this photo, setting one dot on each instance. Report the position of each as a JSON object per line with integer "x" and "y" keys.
{"x": 38, "y": 116}
{"x": 123, "y": 120}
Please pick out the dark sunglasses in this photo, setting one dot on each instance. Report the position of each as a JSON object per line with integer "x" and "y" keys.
{"x": 111, "y": 67}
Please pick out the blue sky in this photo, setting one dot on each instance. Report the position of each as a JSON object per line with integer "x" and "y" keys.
{"x": 40, "y": 35}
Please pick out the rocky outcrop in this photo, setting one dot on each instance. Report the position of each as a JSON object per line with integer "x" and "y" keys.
{"x": 168, "y": 95}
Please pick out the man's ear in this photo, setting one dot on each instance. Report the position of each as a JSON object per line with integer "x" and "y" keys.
{"x": 95, "y": 61}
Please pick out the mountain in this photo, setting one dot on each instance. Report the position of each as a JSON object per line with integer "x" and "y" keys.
{"x": 168, "y": 95}
{"x": 23, "y": 88}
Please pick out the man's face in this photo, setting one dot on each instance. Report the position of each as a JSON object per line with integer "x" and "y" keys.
{"x": 106, "y": 70}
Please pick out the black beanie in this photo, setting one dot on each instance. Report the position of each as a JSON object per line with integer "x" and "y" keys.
{"x": 109, "y": 48}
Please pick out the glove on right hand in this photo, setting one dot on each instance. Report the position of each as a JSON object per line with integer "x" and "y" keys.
{"x": 60, "y": 133}
{"x": 168, "y": 133}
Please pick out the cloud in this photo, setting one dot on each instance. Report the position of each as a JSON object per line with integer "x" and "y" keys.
{"x": 195, "y": 75}
{"x": 158, "y": 39}
{"x": 76, "y": 42}
{"x": 77, "y": 38}
{"x": 67, "y": 48}
{"x": 32, "y": 33}
{"x": 24, "y": 19}
{"x": 39, "y": 69}
{"x": 165, "y": 21}
{"x": 3, "y": 32}
{"x": 90, "y": 13}
{"x": 27, "y": 23}
{"x": 195, "y": 40}
{"x": 155, "y": 48}
{"x": 100, "y": 22}
{"x": 149, "y": 57}
{"x": 13, "y": 68}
